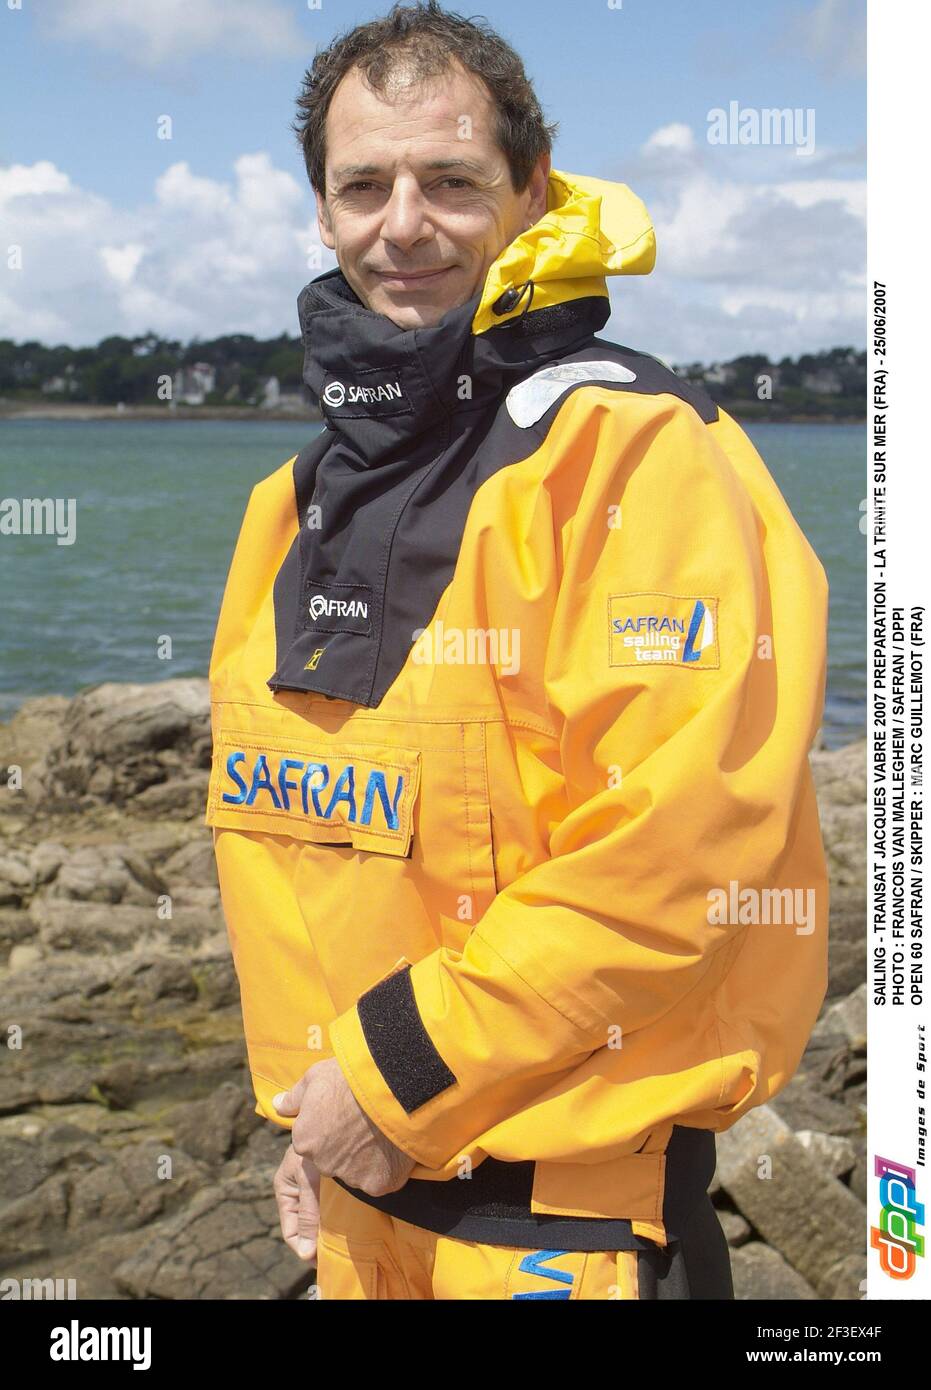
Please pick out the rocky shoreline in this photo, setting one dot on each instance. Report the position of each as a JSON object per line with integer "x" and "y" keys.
{"x": 132, "y": 1159}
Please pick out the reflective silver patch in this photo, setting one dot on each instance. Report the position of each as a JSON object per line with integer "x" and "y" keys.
{"x": 530, "y": 399}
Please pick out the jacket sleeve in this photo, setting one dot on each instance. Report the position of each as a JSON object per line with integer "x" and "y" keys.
{"x": 682, "y": 772}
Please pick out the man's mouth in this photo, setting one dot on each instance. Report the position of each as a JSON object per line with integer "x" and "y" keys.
{"x": 404, "y": 278}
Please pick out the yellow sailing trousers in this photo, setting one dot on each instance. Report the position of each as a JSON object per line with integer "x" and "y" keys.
{"x": 362, "y": 1253}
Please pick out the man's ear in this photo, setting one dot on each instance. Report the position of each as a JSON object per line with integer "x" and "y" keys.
{"x": 323, "y": 222}
{"x": 539, "y": 181}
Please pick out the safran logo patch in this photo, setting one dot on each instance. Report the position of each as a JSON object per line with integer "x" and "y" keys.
{"x": 337, "y": 608}
{"x": 349, "y": 794}
{"x": 373, "y": 392}
{"x": 663, "y": 630}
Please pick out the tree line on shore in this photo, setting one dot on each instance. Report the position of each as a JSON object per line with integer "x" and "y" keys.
{"x": 239, "y": 369}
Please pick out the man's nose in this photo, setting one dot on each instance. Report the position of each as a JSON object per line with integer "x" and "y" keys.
{"x": 405, "y": 221}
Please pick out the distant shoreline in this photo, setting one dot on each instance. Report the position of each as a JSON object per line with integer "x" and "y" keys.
{"x": 12, "y": 411}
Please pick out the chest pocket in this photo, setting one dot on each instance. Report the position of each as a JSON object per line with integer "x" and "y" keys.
{"x": 342, "y": 845}
{"x": 310, "y": 789}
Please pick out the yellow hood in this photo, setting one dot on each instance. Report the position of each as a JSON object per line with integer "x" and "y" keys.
{"x": 592, "y": 228}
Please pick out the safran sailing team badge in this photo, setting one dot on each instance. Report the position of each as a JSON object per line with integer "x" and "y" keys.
{"x": 663, "y": 630}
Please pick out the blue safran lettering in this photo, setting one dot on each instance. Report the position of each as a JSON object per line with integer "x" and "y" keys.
{"x": 649, "y": 623}
{"x": 314, "y": 791}
{"x": 262, "y": 782}
{"x": 533, "y": 1263}
{"x": 377, "y": 783}
{"x": 284, "y": 786}
{"x": 344, "y": 788}
{"x": 234, "y": 776}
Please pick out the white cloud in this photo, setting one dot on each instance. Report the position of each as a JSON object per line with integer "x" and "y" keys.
{"x": 203, "y": 258}
{"x": 677, "y": 137}
{"x": 744, "y": 265}
{"x": 745, "y": 262}
{"x": 23, "y": 180}
{"x": 849, "y": 192}
{"x": 122, "y": 262}
{"x": 153, "y": 32}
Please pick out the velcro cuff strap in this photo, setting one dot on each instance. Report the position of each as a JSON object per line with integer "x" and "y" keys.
{"x": 400, "y": 1045}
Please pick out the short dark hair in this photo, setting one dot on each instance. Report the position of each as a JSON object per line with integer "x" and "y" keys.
{"x": 424, "y": 40}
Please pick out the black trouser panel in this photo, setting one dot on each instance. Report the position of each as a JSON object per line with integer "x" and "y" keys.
{"x": 697, "y": 1265}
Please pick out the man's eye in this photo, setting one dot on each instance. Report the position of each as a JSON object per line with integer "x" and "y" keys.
{"x": 361, "y": 185}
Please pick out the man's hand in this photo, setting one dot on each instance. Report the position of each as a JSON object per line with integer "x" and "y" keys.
{"x": 297, "y": 1192}
{"x": 334, "y": 1133}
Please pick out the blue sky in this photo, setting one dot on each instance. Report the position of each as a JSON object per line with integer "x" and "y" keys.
{"x": 759, "y": 248}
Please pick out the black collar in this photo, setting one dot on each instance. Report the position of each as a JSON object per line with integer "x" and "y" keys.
{"x": 382, "y": 386}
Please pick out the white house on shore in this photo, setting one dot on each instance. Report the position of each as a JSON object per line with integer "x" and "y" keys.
{"x": 192, "y": 385}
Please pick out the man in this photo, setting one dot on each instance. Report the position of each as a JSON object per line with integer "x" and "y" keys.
{"x": 513, "y": 686}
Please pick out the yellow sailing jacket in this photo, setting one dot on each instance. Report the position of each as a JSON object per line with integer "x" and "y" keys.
{"x": 514, "y": 682}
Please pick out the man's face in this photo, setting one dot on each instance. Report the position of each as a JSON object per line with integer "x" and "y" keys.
{"x": 419, "y": 199}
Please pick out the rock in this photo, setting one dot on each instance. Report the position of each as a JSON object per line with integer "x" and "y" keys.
{"x": 147, "y": 981}
{"x": 216, "y": 981}
{"x": 263, "y": 1150}
{"x": 90, "y": 1033}
{"x": 118, "y": 1084}
{"x": 46, "y": 859}
{"x": 159, "y": 841}
{"x": 212, "y": 1129}
{"x": 837, "y": 1155}
{"x": 835, "y": 1058}
{"x": 23, "y": 1167}
{"x": 93, "y": 927}
{"x": 225, "y": 1244}
{"x": 137, "y": 1186}
{"x": 760, "y": 1272}
{"x": 25, "y": 738}
{"x": 23, "y": 957}
{"x": 847, "y": 939}
{"x": 65, "y": 1146}
{"x": 847, "y": 966}
{"x": 32, "y": 1224}
{"x": 735, "y": 1227}
{"x": 194, "y": 863}
{"x": 840, "y": 777}
{"x": 846, "y": 1020}
{"x": 804, "y": 1106}
{"x": 846, "y": 1279}
{"x": 15, "y": 872}
{"x": 91, "y": 876}
{"x": 122, "y": 728}
{"x": 16, "y": 880}
{"x": 858, "y": 1181}
{"x": 106, "y": 874}
{"x": 144, "y": 882}
{"x": 119, "y": 973}
{"x": 15, "y": 926}
{"x": 185, "y": 796}
{"x": 840, "y": 782}
{"x": 89, "y": 1265}
{"x": 779, "y": 1186}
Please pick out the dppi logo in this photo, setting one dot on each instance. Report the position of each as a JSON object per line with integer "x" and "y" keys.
{"x": 896, "y": 1237}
